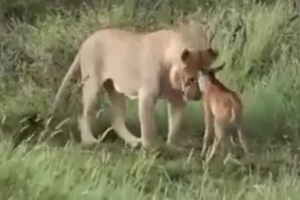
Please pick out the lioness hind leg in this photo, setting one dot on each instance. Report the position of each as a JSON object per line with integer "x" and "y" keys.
{"x": 117, "y": 102}
{"x": 89, "y": 94}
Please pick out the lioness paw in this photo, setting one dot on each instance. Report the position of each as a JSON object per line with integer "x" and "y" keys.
{"x": 135, "y": 143}
{"x": 89, "y": 143}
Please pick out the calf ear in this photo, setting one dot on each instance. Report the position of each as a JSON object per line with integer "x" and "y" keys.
{"x": 185, "y": 55}
{"x": 217, "y": 69}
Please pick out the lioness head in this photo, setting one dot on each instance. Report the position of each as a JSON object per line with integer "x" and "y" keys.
{"x": 184, "y": 75}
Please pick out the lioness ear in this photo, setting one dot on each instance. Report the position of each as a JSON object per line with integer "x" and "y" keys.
{"x": 217, "y": 69}
{"x": 185, "y": 55}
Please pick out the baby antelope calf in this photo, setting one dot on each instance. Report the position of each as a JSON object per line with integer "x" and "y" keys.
{"x": 222, "y": 109}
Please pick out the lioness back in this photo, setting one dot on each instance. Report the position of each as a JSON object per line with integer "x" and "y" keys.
{"x": 120, "y": 54}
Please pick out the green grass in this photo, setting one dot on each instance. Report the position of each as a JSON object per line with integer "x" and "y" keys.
{"x": 113, "y": 172}
{"x": 37, "y": 47}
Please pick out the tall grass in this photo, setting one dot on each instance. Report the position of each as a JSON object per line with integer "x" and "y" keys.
{"x": 258, "y": 40}
{"x": 68, "y": 173}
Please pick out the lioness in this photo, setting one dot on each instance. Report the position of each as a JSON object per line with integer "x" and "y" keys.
{"x": 147, "y": 66}
{"x": 222, "y": 108}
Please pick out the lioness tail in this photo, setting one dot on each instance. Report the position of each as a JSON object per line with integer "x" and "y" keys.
{"x": 75, "y": 66}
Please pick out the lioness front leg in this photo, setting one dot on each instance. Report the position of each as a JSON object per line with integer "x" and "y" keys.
{"x": 147, "y": 103}
{"x": 175, "y": 119}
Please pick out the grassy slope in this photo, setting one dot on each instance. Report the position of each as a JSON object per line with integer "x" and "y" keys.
{"x": 114, "y": 173}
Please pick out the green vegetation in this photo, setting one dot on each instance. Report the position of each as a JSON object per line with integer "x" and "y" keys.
{"x": 259, "y": 41}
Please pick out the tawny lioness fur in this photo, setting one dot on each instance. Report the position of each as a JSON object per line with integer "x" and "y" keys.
{"x": 222, "y": 108}
{"x": 148, "y": 66}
